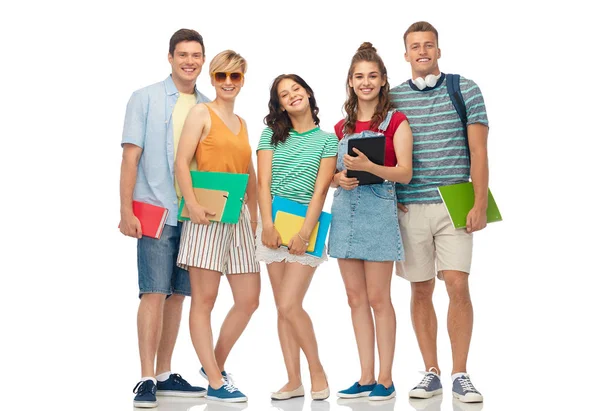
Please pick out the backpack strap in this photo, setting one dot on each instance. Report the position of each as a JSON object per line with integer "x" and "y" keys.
{"x": 453, "y": 86}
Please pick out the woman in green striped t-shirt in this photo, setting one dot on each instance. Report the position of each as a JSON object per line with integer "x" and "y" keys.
{"x": 296, "y": 161}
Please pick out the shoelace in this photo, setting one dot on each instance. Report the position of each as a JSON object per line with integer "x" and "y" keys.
{"x": 141, "y": 388}
{"x": 229, "y": 378}
{"x": 466, "y": 384}
{"x": 230, "y": 387}
{"x": 426, "y": 380}
{"x": 179, "y": 380}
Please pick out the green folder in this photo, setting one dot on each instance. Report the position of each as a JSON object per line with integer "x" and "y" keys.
{"x": 459, "y": 200}
{"x": 233, "y": 183}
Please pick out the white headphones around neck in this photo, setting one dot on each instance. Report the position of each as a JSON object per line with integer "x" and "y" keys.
{"x": 429, "y": 81}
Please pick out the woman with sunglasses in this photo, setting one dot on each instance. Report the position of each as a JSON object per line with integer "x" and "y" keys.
{"x": 296, "y": 161}
{"x": 215, "y": 139}
{"x": 365, "y": 236}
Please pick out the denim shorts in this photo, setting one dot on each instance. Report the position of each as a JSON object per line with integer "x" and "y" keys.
{"x": 364, "y": 224}
{"x": 157, "y": 264}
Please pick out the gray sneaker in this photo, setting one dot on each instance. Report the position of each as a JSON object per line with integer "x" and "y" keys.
{"x": 463, "y": 390}
{"x": 429, "y": 386}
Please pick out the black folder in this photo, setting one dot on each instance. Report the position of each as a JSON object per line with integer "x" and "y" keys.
{"x": 374, "y": 149}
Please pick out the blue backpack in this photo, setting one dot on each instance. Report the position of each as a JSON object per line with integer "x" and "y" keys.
{"x": 453, "y": 85}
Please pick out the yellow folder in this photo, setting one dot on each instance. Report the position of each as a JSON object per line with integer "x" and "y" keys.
{"x": 288, "y": 225}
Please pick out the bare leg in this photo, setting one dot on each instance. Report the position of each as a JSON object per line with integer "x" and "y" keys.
{"x": 289, "y": 346}
{"x": 460, "y": 318}
{"x": 425, "y": 321}
{"x": 296, "y": 279}
{"x": 379, "y": 280}
{"x": 205, "y": 286}
{"x": 353, "y": 274}
{"x": 149, "y": 323}
{"x": 170, "y": 328}
{"x": 246, "y": 290}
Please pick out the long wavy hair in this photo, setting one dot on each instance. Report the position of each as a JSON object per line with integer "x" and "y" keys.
{"x": 366, "y": 52}
{"x": 278, "y": 120}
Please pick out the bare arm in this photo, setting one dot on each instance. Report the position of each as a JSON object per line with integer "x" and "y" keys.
{"x": 195, "y": 128}
{"x": 252, "y": 192}
{"x": 129, "y": 224}
{"x": 270, "y": 236}
{"x": 478, "y": 136}
{"x": 326, "y": 170}
{"x": 402, "y": 173}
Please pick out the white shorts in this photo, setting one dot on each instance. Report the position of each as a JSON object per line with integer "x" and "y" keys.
{"x": 268, "y": 255}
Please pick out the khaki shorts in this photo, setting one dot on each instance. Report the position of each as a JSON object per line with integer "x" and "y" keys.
{"x": 431, "y": 243}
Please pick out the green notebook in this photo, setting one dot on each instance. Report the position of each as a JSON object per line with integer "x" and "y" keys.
{"x": 459, "y": 200}
{"x": 232, "y": 183}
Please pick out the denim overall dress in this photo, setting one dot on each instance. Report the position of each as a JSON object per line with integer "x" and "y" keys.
{"x": 364, "y": 223}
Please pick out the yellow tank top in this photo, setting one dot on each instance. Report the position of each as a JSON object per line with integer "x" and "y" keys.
{"x": 223, "y": 151}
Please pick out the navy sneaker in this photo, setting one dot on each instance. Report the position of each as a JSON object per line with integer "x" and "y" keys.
{"x": 145, "y": 394}
{"x": 463, "y": 390}
{"x": 227, "y": 393}
{"x": 356, "y": 391}
{"x": 176, "y": 386}
{"x": 380, "y": 393}
{"x": 429, "y": 386}
{"x": 223, "y": 373}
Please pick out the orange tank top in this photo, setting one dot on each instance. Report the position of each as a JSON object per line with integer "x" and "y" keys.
{"x": 223, "y": 151}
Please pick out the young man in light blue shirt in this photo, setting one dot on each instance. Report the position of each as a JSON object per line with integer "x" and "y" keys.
{"x": 153, "y": 123}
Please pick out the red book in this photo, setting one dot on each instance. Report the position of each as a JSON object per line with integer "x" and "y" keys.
{"x": 152, "y": 218}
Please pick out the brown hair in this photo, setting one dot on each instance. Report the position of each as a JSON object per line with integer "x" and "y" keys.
{"x": 185, "y": 35}
{"x": 279, "y": 121}
{"x": 420, "y": 26}
{"x": 366, "y": 52}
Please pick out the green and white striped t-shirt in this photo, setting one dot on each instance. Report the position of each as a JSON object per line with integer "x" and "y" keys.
{"x": 296, "y": 162}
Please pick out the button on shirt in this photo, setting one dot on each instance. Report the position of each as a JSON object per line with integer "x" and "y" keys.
{"x": 149, "y": 125}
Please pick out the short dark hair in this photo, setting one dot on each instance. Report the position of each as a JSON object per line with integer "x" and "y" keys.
{"x": 420, "y": 26}
{"x": 185, "y": 35}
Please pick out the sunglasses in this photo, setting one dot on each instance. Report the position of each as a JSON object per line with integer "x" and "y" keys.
{"x": 221, "y": 77}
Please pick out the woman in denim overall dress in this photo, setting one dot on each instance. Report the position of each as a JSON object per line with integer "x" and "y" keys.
{"x": 365, "y": 235}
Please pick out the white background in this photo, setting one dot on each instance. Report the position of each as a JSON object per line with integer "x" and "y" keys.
{"x": 69, "y": 279}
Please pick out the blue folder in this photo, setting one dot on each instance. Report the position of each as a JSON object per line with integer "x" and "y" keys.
{"x": 295, "y": 208}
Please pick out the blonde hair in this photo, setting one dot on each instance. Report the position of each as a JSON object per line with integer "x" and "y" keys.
{"x": 228, "y": 61}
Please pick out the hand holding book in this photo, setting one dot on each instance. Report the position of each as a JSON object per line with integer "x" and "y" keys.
{"x": 271, "y": 237}
{"x": 130, "y": 226}
{"x": 199, "y": 214}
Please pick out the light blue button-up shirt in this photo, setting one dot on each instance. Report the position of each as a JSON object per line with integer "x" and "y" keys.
{"x": 149, "y": 125}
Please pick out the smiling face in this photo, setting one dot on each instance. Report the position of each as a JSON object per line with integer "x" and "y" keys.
{"x": 186, "y": 61}
{"x": 422, "y": 53}
{"x": 227, "y": 85}
{"x": 293, "y": 98}
{"x": 366, "y": 80}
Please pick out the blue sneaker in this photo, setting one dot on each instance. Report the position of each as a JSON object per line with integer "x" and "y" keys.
{"x": 223, "y": 373}
{"x": 145, "y": 394}
{"x": 429, "y": 386}
{"x": 356, "y": 391}
{"x": 227, "y": 393}
{"x": 176, "y": 386}
{"x": 380, "y": 393}
{"x": 463, "y": 390}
